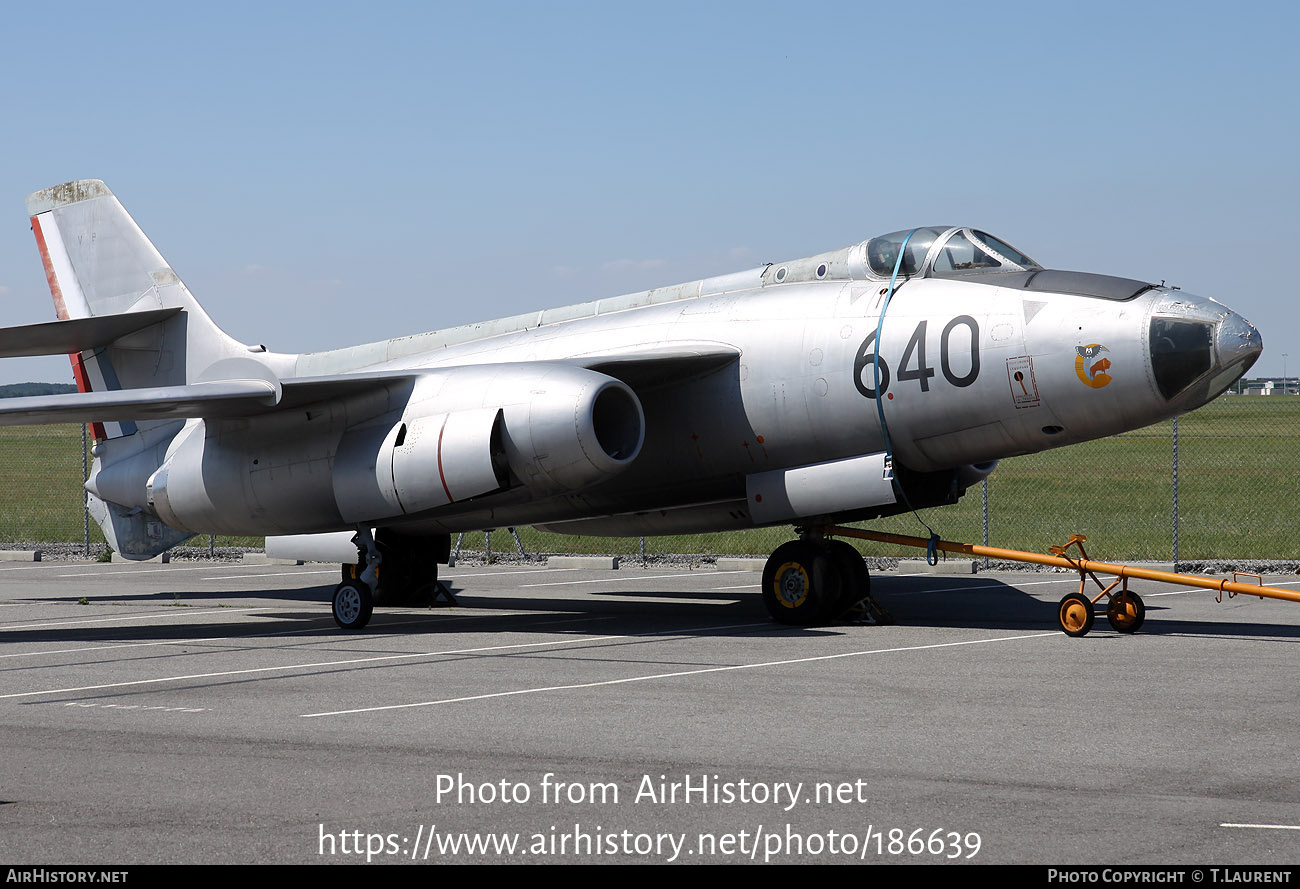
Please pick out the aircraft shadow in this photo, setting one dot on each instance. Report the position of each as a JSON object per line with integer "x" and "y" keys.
{"x": 921, "y": 602}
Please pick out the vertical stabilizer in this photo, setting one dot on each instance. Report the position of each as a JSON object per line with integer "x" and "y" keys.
{"x": 98, "y": 262}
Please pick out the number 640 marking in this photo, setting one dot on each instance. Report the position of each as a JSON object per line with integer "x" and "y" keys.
{"x": 913, "y": 365}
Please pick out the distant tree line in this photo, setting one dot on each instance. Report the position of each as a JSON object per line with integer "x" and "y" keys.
{"x": 24, "y": 390}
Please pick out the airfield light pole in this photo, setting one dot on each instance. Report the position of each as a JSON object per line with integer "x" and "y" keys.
{"x": 1286, "y": 387}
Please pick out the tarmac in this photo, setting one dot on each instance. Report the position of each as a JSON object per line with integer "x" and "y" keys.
{"x": 213, "y": 713}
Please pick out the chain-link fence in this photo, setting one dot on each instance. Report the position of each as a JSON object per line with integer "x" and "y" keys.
{"x": 1220, "y": 483}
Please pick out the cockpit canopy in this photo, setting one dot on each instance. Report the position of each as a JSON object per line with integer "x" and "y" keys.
{"x": 944, "y": 251}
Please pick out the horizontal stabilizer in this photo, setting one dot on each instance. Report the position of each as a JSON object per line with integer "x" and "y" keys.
{"x": 217, "y": 399}
{"x": 77, "y": 335}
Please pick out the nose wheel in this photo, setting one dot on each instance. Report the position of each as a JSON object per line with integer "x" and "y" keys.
{"x": 352, "y": 605}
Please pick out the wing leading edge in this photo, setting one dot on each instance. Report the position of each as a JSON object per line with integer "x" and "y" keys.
{"x": 256, "y": 397}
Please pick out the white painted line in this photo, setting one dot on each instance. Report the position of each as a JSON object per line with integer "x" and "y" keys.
{"x": 677, "y": 674}
{"x": 974, "y": 586}
{"x": 498, "y": 612}
{"x": 548, "y": 571}
{"x": 1265, "y": 826}
{"x": 333, "y": 571}
{"x": 379, "y": 659}
{"x": 127, "y": 569}
{"x": 175, "y": 612}
{"x": 613, "y": 579}
{"x": 195, "y": 641}
{"x": 91, "y": 705}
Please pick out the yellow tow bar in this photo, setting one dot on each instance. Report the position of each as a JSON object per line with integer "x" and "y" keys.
{"x": 1124, "y": 609}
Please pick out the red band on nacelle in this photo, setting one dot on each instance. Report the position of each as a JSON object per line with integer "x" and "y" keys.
{"x": 442, "y": 476}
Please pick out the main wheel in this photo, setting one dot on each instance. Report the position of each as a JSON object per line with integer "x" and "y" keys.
{"x": 801, "y": 584}
{"x": 1126, "y": 612}
{"x": 1075, "y": 614}
{"x": 352, "y": 605}
{"x": 855, "y": 580}
{"x": 409, "y": 571}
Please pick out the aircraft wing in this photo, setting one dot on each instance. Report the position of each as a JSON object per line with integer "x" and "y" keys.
{"x": 640, "y": 368}
{"x": 225, "y": 398}
{"x": 221, "y": 398}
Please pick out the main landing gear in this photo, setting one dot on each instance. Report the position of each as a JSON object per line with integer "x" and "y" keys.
{"x": 816, "y": 580}
{"x": 408, "y": 575}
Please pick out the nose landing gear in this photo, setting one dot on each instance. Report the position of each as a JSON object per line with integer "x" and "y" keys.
{"x": 354, "y": 600}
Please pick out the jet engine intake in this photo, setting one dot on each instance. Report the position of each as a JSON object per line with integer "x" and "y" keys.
{"x": 580, "y": 429}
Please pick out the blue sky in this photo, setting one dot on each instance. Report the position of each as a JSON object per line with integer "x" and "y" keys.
{"x": 325, "y": 174}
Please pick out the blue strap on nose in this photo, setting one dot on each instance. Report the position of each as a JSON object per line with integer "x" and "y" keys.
{"x": 931, "y": 549}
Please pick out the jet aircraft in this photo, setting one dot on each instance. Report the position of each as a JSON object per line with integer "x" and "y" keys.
{"x": 888, "y": 375}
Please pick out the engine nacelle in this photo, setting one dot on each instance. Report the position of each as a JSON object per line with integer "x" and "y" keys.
{"x": 470, "y": 431}
{"x": 176, "y": 491}
{"x": 422, "y": 462}
{"x": 571, "y": 429}
{"x": 464, "y": 432}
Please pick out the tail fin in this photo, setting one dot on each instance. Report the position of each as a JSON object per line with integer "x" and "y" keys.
{"x": 134, "y": 325}
{"x": 99, "y": 263}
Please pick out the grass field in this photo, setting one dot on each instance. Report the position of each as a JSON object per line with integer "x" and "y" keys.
{"x": 1238, "y": 495}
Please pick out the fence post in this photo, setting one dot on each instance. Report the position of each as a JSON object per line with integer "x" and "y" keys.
{"x": 1175, "y": 497}
{"x": 984, "y": 506}
{"x": 85, "y": 495}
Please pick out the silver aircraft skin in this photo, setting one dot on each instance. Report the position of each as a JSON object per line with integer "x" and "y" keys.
{"x": 736, "y": 401}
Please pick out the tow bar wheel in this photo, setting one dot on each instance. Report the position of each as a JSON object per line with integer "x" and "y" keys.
{"x": 1126, "y": 612}
{"x": 1075, "y": 614}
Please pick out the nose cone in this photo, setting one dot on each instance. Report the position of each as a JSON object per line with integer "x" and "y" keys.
{"x": 1198, "y": 348}
{"x": 1238, "y": 344}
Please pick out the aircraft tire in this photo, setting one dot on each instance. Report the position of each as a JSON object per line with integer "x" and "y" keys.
{"x": 855, "y": 580}
{"x": 352, "y": 605}
{"x": 409, "y": 573}
{"x": 1126, "y": 612}
{"x": 1075, "y": 614}
{"x": 801, "y": 584}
